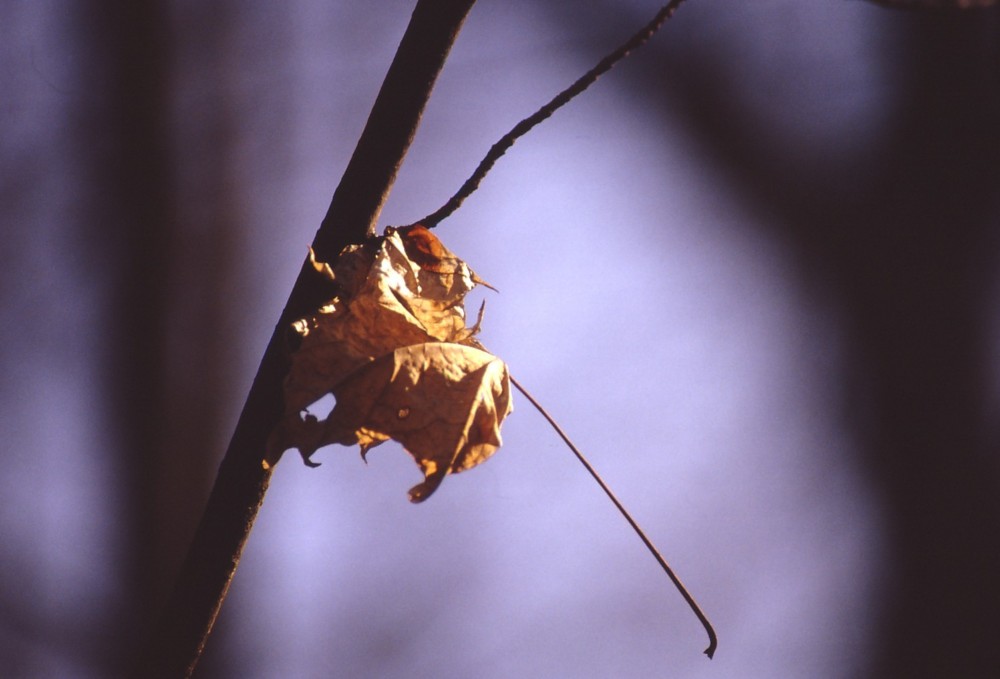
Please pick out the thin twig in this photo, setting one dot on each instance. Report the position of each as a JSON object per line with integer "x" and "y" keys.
{"x": 582, "y": 83}
{"x": 934, "y": 4}
{"x": 713, "y": 641}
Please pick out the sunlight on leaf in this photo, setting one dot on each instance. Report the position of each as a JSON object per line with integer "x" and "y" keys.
{"x": 394, "y": 350}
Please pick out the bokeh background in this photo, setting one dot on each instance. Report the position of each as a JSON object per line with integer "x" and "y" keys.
{"x": 752, "y": 271}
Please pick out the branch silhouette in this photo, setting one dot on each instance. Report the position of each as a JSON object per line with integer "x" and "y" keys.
{"x": 180, "y": 636}
{"x": 582, "y": 83}
{"x": 934, "y": 4}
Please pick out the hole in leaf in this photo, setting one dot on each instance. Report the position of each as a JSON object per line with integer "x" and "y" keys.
{"x": 321, "y": 408}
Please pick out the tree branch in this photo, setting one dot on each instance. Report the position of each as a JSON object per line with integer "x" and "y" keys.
{"x": 180, "y": 636}
{"x": 934, "y": 4}
{"x": 582, "y": 83}
{"x": 359, "y": 198}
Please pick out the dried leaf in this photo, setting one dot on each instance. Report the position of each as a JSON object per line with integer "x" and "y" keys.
{"x": 394, "y": 350}
{"x": 387, "y": 301}
{"x": 444, "y": 402}
{"x": 430, "y": 254}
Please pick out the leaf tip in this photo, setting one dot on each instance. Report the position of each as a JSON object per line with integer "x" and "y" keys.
{"x": 322, "y": 268}
{"x": 422, "y": 491}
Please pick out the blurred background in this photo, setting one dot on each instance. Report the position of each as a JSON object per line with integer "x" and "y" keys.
{"x": 753, "y": 272}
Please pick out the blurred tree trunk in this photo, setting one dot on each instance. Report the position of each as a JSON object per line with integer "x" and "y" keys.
{"x": 911, "y": 258}
{"x": 165, "y": 359}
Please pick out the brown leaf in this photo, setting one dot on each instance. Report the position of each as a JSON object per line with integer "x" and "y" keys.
{"x": 424, "y": 248}
{"x": 388, "y": 302}
{"x": 394, "y": 350}
{"x": 444, "y": 402}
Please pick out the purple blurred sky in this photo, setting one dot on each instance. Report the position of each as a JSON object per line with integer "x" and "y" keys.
{"x": 641, "y": 300}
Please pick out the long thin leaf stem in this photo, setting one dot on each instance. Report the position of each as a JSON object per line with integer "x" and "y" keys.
{"x": 713, "y": 641}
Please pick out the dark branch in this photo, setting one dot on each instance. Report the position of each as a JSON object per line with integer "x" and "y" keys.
{"x": 934, "y": 4}
{"x": 239, "y": 489}
{"x": 358, "y": 200}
